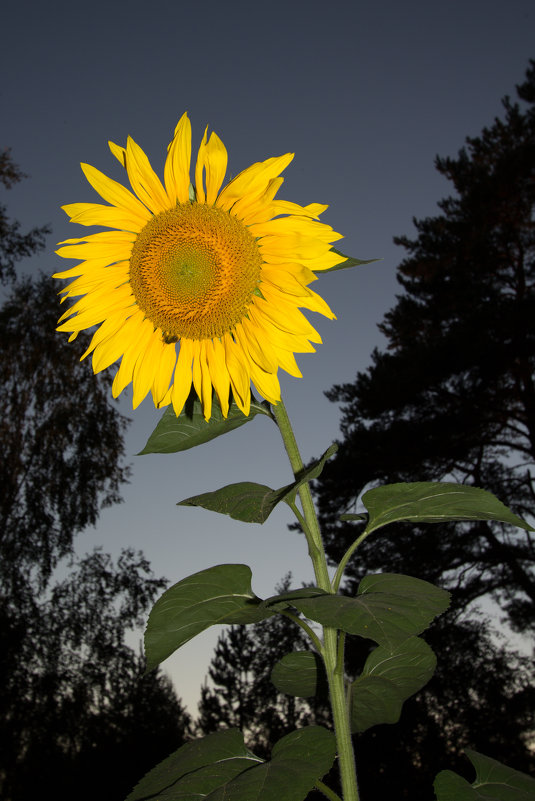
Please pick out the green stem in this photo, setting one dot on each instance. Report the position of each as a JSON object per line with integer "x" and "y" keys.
{"x": 345, "y": 559}
{"x": 300, "y": 622}
{"x": 331, "y": 655}
{"x": 327, "y": 792}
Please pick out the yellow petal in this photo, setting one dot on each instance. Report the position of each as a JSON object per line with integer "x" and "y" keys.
{"x": 266, "y": 383}
{"x": 215, "y": 356}
{"x": 182, "y": 379}
{"x": 144, "y": 180}
{"x": 109, "y": 216}
{"x": 238, "y": 369}
{"x": 258, "y": 207}
{"x": 262, "y": 354}
{"x": 199, "y": 167}
{"x": 109, "y": 327}
{"x": 253, "y": 180}
{"x": 112, "y": 191}
{"x": 177, "y": 164}
{"x": 134, "y": 347}
{"x": 146, "y": 367}
{"x": 295, "y": 247}
{"x": 216, "y": 167}
{"x": 203, "y": 384}
{"x": 164, "y": 374}
{"x": 285, "y": 281}
{"x": 315, "y": 302}
{"x": 97, "y": 250}
{"x": 119, "y": 152}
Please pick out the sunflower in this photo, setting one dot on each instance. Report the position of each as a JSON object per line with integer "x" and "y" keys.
{"x": 196, "y": 285}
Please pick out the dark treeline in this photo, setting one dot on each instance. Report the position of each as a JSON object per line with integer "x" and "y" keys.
{"x": 452, "y": 398}
{"x": 78, "y": 717}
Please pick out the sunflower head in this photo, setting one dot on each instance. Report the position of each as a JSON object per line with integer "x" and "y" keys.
{"x": 200, "y": 285}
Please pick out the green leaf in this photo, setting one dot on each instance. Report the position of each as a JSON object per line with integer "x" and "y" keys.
{"x": 253, "y": 503}
{"x": 409, "y": 666}
{"x": 351, "y": 262}
{"x": 245, "y": 501}
{"x": 374, "y": 700}
{"x": 434, "y": 502}
{"x": 220, "y": 594}
{"x": 449, "y": 786}
{"x": 299, "y": 673}
{"x": 388, "y": 679}
{"x": 388, "y": 608}
{"x": 189, "y": 429}
{"x": 494, "y": 782}
{"x": 196, "y": 768}
{"x": 297, "y": 762}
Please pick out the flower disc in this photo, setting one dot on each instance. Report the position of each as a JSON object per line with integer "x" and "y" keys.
{"x": 193, "y": 271}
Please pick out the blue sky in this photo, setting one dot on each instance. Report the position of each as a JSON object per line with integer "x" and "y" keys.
{"x": 365, "y": 93}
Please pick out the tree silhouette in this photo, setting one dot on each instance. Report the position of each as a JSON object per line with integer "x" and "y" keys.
{"x": 453, "y": 397}
{"x": 15, "y": 246}
{"x": 77, "y": 711}
{"x": 79, "y": 718}
{"x": 241, "y": 692}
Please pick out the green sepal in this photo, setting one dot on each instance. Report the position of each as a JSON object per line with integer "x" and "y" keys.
{"x": 197, "y": 768}
{"x": 388, "y": 608}
{"x": 253, "y": 503}
{"x": 434, "y": 502}
{"x": 389, "y": 677}
{"x": 494, "y": 781}
{"x": 298, "y": 760}
{"x": 220, "y": 594}
{"x": 350, "y": 262}
{"x": 173, "y": 434}
{"x": 300, "y": 673}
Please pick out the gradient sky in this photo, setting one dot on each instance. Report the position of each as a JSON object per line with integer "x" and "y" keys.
{"x": 365, "y": 93}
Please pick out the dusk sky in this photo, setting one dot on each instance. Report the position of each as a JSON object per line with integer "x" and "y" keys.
{"x": 365, "y": 94}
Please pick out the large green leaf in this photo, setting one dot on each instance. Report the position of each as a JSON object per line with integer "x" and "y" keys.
{"x": 409, "y": 666}
{"x": 189, "y": 429}
{"x": 297, "y": 762}
{"x": 388, "y": 608}
{"x": 351, "y": 262}
{"x": 197, "y": 768}
{"x": 220, "y": 594}
{"x": 388, "y": 679}
{"x": 374, "y": 700}
{"x": 253, "y": 503}
{"x": 434, "y": 502}
{"x": 494, "y": 782}
{"x": 299, "y": 673}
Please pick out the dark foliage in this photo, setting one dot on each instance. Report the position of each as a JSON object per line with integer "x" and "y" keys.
{"x": 62, "y": 440}
{"x": 482, "y": 696}
{"x": 15, "y": 246}
{"x": 453, "y": 397}
{"x": 78, "y": 717}
{"x": 241, "y": 692}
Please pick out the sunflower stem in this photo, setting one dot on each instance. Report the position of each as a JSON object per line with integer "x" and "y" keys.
{"x": 332, "y": 648}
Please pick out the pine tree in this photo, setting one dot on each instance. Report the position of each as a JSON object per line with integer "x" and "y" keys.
{"x": 453, "y": 396}
{"x": 240, "y": 692}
